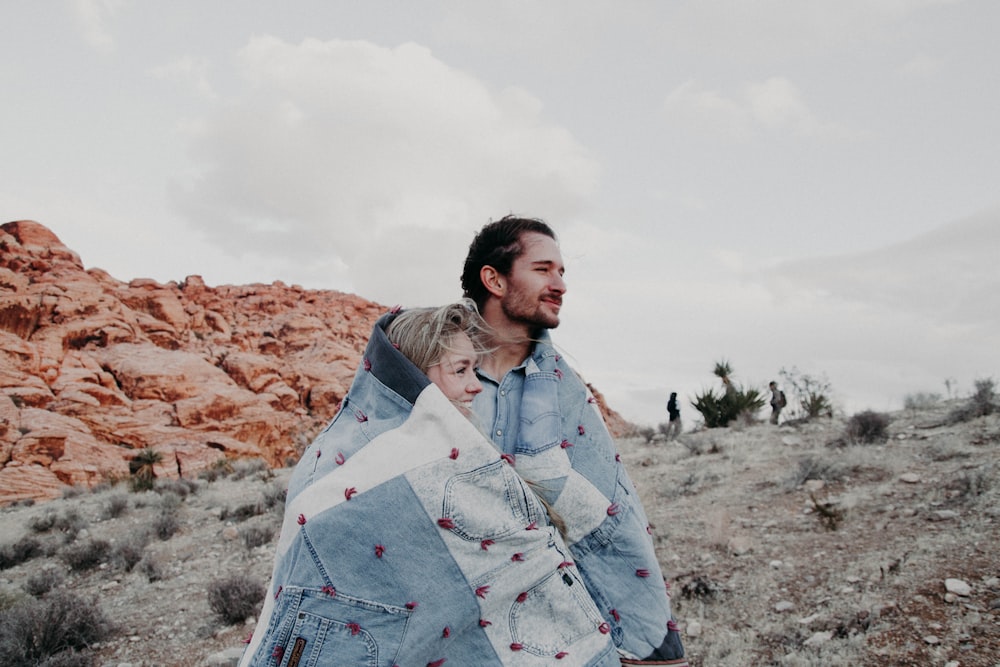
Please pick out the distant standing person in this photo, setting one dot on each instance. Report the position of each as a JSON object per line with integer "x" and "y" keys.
{"x": 674, "y": 427}
{"x": 777, "y": 401}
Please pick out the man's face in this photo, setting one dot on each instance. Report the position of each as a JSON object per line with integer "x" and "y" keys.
{"x": 535, "y": 285}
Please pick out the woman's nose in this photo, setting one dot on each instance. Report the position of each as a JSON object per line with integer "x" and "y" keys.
{"x": 475, "y": 386}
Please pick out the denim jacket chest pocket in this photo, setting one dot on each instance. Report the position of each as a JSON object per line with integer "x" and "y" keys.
{"x": 489, "y": 503}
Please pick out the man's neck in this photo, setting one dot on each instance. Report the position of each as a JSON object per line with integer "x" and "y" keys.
{"x": 511, "y": 344}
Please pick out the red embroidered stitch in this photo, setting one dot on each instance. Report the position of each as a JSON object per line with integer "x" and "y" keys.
{"x": 379, "y": 550}
{"x": 248, "y": 639}
{"x": 277, "y": 593}
{"x": 302, "y": 519}
{"x": 436, "y": 663}
{"x": 395, "y": 309}
{"x": 649, "y": 529}
{"x": 613, "y": 509}
{"x": 278, "y": 652}
{"x": 566, "y": 563}
{"x": 557, "y": 358}
{"x": 368, "y": 364}
{"x": 361, "y": 416}
{"x": 483, "y": 623}
{"x": 516, "y": 646}
{"x": 349, "y": 492}
{"x": 482, "y": 591}
{"x": 454, "y": 453}
{"x": 672, "y": 625}
{"x": 604, "y": 628}
{"x": 559, "y": 373}
{"x": 486, "y": 544}
{"x": 591, "y": 399}
{"x": 565, "y": 443}
{"x": 446, "y": 523}
{"x": 340, "y": 459}
{"x": 447, "y": 632}
{"x": 618, "y": 458}
{"x": 522, "y": 596}
{"x": 354, "y": 628}
{"x": 642, "y": 572}
{"x": 532, "y": 526}
{"x": 318, "y": 453}
{"x": 411, "y": 605}
{"x": 329, "y": 590}
{"x": 509, "y": 458}
{"x": 614, "y": 615}
{"x": 580, "y": 429}
{"x": 518, "y": 557}
{"x": 561, "y": 654}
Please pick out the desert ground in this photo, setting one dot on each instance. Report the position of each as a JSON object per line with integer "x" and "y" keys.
{"x": 783, "y": 545}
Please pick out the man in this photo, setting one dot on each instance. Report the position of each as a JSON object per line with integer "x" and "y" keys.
{"x": 540, "y": 414}
{"x": 777, "y": 401}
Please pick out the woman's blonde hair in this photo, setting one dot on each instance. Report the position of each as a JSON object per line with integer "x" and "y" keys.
{"x": 425, "y": 334}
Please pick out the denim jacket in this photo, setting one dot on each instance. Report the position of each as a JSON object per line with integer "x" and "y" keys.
{"x": 543, "y": 415}
{"x": 409, "y": 540}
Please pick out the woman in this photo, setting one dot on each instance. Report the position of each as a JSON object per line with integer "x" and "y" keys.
{"x": 408, "y": 539}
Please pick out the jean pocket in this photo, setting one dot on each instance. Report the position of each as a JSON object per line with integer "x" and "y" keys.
{"x": 560, "y": 596}
{"x": 310, "y": 628}
{"x": 488, "y": 503}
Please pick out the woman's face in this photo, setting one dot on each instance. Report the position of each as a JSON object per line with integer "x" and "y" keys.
{"x": 455, "y": 373}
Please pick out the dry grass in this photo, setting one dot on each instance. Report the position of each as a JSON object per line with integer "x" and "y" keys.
{"x": 736, "y": 529}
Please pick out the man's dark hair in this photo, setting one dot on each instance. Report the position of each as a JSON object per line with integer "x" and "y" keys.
{"x": 497, "y": 244}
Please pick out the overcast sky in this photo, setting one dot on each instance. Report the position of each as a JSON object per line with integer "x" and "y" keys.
{"x": 777, "y": 183}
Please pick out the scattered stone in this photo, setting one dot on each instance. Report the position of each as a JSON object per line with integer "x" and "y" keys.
{"x": 933, "y": 640}
{"x": 819, "y": 638}
{"x": 230, "y": 533}
{"x": 809, "y": 620}
{"x": 784, "y": 606}
{"x": 958, "y": 587}
{"x": 693, "y": 629}
{"x": 943, "y": 515}
{"x": 814, "y": 485}
{"x": 228, "y": 658}
{"x": 776, "y": 564}
{"x": 910, "y": 478}
{"x": 739, "y": 546}
{"x": 791, "y": 440}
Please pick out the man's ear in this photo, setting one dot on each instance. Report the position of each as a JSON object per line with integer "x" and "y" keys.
{"x": 492, "y": 280}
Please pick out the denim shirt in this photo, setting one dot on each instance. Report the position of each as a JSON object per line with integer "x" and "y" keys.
{"x": 543, "y": 415}
{"x": 408, "y": 540}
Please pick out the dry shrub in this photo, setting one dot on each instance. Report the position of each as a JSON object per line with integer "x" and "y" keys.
{"x": 235, "y": 598}
{"x": 51, "y": 631}
{"x": 868, "y": 427}
{"x": 23, "y": 550}
{"x": 86, "y": 555}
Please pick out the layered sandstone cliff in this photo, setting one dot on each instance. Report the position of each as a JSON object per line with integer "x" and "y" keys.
{"x": 93, "y": 369}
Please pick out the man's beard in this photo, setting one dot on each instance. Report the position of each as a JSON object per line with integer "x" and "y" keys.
{"x": 519, "y": 308}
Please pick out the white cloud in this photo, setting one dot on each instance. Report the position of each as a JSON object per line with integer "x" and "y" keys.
{"x": 187, "y": 70}
{"x": 772, "y": 105}
{"x": 93, "y": 17}
{"x": 335, "y": 147}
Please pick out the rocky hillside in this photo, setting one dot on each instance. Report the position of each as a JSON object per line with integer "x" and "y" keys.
{"x": 93, "y": 369}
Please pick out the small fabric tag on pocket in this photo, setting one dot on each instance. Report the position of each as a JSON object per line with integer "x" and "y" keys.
{"x": 297, "y": 650}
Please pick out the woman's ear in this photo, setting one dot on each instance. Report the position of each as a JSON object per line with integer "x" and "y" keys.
{"x": 492, "y": 281}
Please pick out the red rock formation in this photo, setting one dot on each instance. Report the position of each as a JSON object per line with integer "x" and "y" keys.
{"x": 94, "y": 369}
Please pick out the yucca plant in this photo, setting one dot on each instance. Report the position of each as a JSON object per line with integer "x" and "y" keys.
{"x": 141, "y": 467}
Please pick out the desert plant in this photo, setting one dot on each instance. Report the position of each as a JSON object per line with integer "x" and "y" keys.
{"x": 181, "y": 487}
{"x": 166, "y": 524}
{"x": 235, "y": 598}
{"x": 868, "y": 427}
{"x": 246, "y": 467}
{"x": 52, "y": 630}
{"x": 811, "y": 391}
{"x": 255, "y": 536}
{"x": 720, "y": 410}
{"x": 127, "y": 553}
{"x": 243, "y": 512}
{"x": 274, "y": 495}
{"x": 921, "y": 400}
{"x": 115, "y": 506}
{"x": 23, "y": 550}
{"x": 981, "y": 403}
{"x": 40, "y": 583}
{"x": 142, "y": 469}
{"x": 152, "y": 568}
{"x": 827, "y": 513}
{"x": 86, "y": 555}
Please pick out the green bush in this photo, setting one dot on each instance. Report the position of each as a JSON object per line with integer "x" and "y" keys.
{"x": 52, "y": 631}
{"x": 812, "y": 392}
{"x": 235, "y": 598}
{"x": 868, "y": 427}
{"x": 720, "y": 410}
{"x": 982, "y": 403}
{"x": 142, "y": 469}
